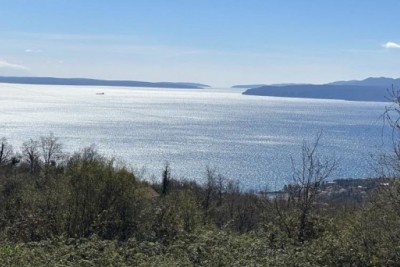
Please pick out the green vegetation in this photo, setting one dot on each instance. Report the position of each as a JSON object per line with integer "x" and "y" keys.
{"x": 85, "y": 210}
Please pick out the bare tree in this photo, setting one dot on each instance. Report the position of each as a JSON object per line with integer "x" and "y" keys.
{"x": 209, "y": 186}
{"x": 389, "y": 164}
{"x": 388, "y": 167}
{"x": 302, "y": 190}
{"x": 31, "y": 154}
{"x": 51, "y": 149}
{"x": 6, "y": 151}
{"x": 306, "y": 181}
{"x": 86, "y": 154}
{"x": 90, "y": 153}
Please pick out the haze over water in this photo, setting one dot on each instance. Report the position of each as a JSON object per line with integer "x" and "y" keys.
{"x": 247, "y": 138}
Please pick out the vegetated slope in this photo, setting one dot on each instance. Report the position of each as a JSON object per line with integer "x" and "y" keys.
{"x": 96, "y": 82}
{"x": 62, "y": 209}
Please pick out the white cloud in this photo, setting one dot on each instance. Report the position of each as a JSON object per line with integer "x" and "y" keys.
{"x": 35, "y": 51}
{"x": 78, "y": 37}
{"x": 7, "y": 65}
{"x": 391, "y": 45}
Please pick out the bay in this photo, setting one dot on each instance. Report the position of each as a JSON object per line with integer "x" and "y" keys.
{"x": 247, "y": 138}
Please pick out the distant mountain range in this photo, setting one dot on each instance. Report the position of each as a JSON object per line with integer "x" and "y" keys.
{"x": 96, "y": 82}
{"x": 379, "y": 81}
{"x": 370, "y": 89}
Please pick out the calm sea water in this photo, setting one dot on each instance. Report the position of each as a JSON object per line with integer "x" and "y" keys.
{"x": 247, "y": 138}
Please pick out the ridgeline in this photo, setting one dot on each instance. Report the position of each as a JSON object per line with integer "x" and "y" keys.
{"x": 96, "y": 82}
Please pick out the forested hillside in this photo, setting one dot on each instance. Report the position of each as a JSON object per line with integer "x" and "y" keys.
{"x": 85, "y": 210}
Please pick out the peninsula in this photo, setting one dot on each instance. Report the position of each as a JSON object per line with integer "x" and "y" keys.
{"x": 96, "y": 82}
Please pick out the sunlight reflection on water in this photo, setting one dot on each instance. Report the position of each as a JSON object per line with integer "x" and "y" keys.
{"x": 248, "y": 138}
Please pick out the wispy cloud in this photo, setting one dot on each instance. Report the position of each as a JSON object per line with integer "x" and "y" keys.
{"x": 8, "y": 65}
{"x": 76, "y": 37}
{"x": 391, "y": 45}
{"x": 33, "y": 51}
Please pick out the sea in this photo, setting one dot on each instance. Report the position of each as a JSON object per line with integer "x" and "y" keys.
{"x": 254, "y": 140}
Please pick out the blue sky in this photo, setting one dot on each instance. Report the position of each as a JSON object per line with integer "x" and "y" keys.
{"x": 217, "y": 42}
